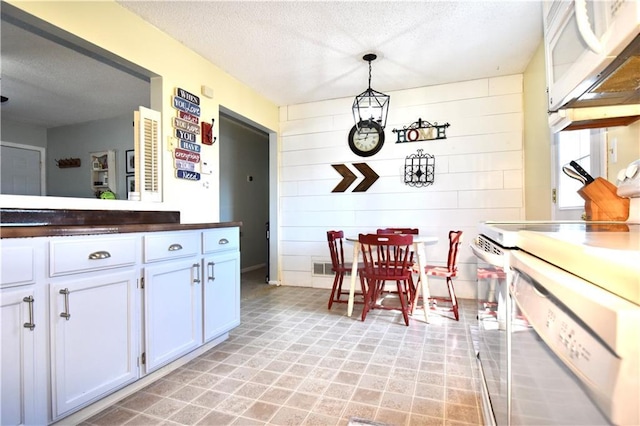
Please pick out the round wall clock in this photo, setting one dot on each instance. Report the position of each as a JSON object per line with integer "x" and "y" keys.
{"x": 367, "y": 140}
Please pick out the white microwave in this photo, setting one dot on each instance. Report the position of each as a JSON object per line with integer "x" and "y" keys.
{"x": 582, "y": 37}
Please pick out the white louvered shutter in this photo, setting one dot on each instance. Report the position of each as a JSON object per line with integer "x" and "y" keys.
{"x": 148, "y": 173}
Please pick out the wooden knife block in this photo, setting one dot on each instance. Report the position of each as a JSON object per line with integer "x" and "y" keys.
{"x": 602, "y": 202}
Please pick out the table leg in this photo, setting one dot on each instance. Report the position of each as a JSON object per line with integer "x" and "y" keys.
{"x": 354, "y": 275}
{"x": 422, "y": 281}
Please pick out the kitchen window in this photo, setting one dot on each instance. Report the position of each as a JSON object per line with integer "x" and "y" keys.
{"x": 584, "y": 147}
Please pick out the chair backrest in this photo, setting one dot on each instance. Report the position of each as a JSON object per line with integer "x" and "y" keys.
{"x": 386, "y": 255}
{"x": 411, "y": 231}
{"x": 455, "y": 239}
{"x": 405, "y": 231}
{"x": 334, "y": 238}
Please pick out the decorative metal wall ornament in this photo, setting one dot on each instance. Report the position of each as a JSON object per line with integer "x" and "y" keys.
{"x": 348, "y": 177}
{"x": 419, "y": 169}
{"x": 421, "y": 131}
{"x": 370, "y": 105}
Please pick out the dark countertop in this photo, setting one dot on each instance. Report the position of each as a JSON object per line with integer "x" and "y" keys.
{"x": 24, "y": 223}
{"x": 57, "y": 230}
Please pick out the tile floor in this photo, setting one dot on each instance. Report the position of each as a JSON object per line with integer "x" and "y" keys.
{"x": 293, "y": 362}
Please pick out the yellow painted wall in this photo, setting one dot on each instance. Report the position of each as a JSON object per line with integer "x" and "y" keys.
{"x": 628, "y": 148}
{"x": 114, "y": 28}
{"x": 537, "y": 141}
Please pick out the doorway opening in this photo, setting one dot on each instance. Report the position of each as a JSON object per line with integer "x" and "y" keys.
{"x": 248, "y": 191}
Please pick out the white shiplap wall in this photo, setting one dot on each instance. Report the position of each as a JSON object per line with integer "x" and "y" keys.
{"x": 479, "y": 174}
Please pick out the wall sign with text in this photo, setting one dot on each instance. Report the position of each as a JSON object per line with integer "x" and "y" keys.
{"x": 187, "y": 130}
{"x": 421, "y": 131}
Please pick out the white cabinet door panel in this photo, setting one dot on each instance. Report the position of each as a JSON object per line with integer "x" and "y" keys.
{"x": 221, "y": 292}
{"x": 173, "y": 310}
{"x": 94, "y": 350}
{"x": 17, "y": 365}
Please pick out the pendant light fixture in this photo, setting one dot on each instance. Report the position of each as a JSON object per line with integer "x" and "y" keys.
{"x": 370, "y": 105}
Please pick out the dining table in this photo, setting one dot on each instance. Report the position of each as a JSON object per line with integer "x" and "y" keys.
{"x": 419, "y": 243}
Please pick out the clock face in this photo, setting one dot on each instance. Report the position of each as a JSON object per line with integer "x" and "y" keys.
{"x": 367, "y": 140}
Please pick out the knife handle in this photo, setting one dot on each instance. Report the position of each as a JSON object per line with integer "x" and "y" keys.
{"x": 582, "y": 171}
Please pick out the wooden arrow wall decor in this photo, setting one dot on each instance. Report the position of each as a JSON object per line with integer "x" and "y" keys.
{"x": 348, "y": 177}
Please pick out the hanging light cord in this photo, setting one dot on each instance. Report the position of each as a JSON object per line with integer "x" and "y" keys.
{"x": 369, "y": 74}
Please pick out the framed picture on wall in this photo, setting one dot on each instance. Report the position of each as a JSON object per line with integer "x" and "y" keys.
{"x": 130, "y": 160}
{"x": 131, "y": 184}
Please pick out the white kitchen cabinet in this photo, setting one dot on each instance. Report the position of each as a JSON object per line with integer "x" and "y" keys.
{"x": 221, "y": 281}
{"x": 107, "y": 309}
{"x": 94, "y": 345}
{"x": 18, "y": 367}
{"x": 172, "y": 297}
{"x": 23, "y": 379}
{"x": 93, "y": 318}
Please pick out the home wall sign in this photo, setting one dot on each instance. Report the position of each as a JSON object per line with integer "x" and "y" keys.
{"x": 348, "y": 177}
{"x": 421, "y": 131}
{"x": 187, "y": 128}
{"x": 419, "y": 169}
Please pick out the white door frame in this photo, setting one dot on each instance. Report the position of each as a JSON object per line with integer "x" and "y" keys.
{"x": 43, "y": 164}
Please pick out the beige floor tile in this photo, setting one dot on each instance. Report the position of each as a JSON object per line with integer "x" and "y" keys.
{"x": 294, "y": 362}
{"x": 262, "y": 411}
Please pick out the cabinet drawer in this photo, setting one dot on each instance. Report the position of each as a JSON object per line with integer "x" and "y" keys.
{"x": 220, "y": 239}
{"x": 74, "y": 255}
{"x": 174, "y": 245}
{"x": 17, "y": 264}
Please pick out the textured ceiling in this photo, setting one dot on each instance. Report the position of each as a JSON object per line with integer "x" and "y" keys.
{"x": 290, "y": 52}
{"x": 301, "y": 51}
{"x": 49, "y": 85}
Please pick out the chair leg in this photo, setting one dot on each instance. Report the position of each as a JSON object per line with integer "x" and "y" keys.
{"x": 363, "y": 287}
{"x": 454, "y": 300}
{"x": 403, "y": 304}
{"x": 336, "y": 280}
{"x": 369, "y": 297}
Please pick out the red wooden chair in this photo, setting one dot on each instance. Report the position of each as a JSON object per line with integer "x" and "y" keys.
{"x": 340, "y": 268}
{"x": 386, "y": 258}
{"x": 403, "y": 231}
{"x": 447, "y": 272}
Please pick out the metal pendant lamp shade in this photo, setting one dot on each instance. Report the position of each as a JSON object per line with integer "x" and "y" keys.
{"x": 370, "y": 105}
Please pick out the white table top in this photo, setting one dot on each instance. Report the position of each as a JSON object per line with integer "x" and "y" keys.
{"x": 419, "y": 238}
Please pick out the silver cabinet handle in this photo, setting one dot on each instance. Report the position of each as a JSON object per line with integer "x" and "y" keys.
{"x": 30, "y": 325}
{"x": 66, "y": 313}
{"x": 223, "y": 241}
{"x": 99, "y": 255}
{"x": 211, "y": 276}
{"x": 197, "y": 276}
{"x": 175, "y": 247}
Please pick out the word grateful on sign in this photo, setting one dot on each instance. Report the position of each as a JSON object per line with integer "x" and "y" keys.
{"x": 348, "y": 177}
